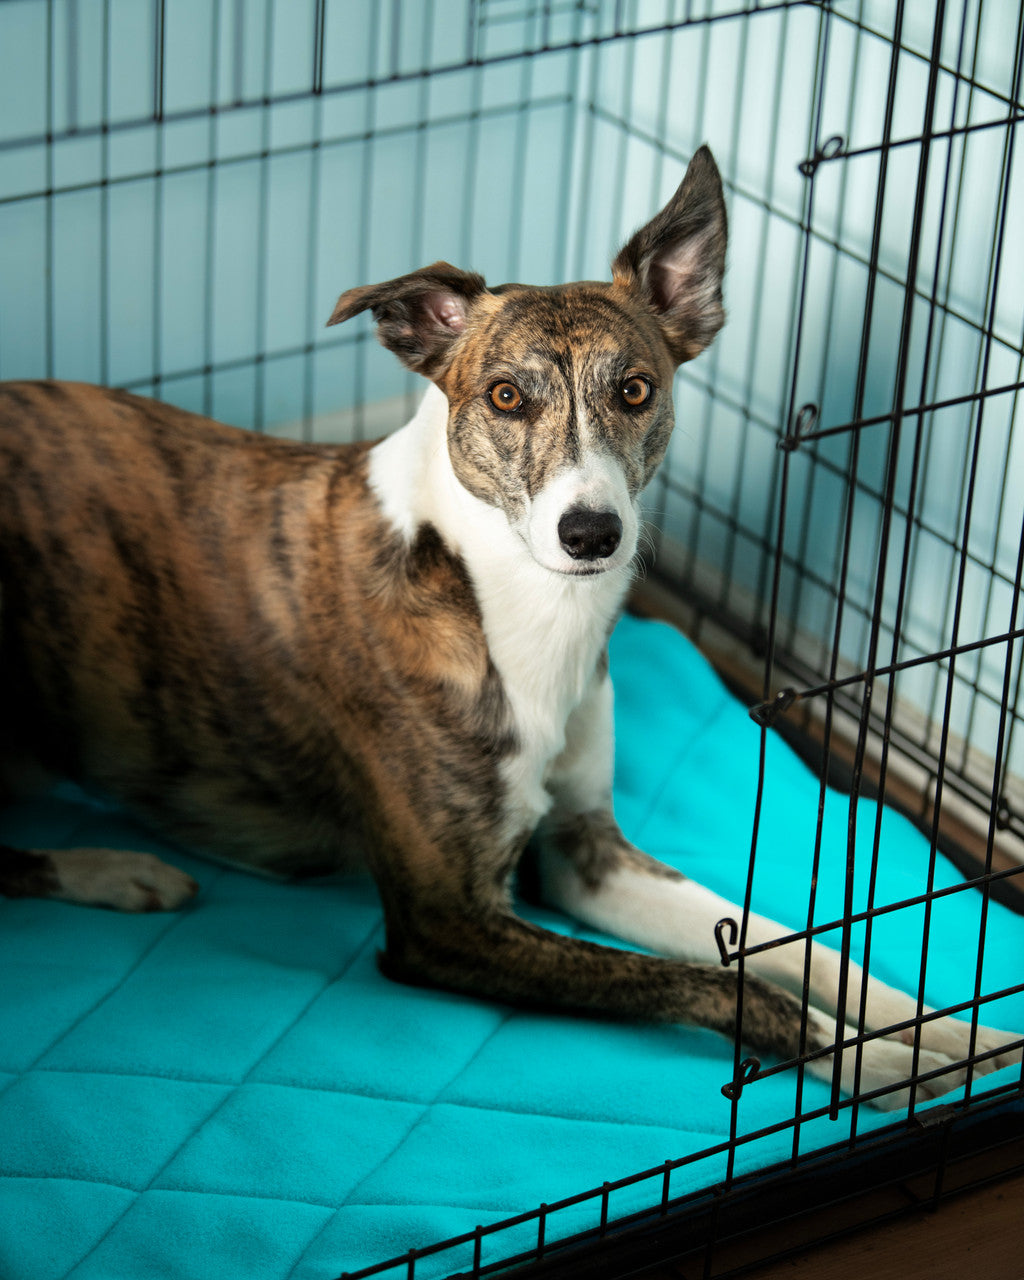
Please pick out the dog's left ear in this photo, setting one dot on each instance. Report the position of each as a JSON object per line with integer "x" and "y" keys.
{"x": 419, "y": 316}
{"x": 677, "y": 260}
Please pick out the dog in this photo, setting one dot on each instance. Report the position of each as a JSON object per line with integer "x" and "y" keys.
{"x": 302, "y": 658}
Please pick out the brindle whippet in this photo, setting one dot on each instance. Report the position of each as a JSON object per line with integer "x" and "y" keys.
{"x": 296, "y": 657}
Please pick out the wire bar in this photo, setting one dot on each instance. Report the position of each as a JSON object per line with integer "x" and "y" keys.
{"x": 843, "y": 494}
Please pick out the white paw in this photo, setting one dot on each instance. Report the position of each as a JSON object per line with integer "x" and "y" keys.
{"x": 883, "y": 1062}
{"x": 886, "y": 1061}
{"x": 952, "y": 1037}
{"x": 120, "y": 879}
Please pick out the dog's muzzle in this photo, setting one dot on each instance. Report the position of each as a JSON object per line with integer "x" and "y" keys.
{"x": 589, "y": 535}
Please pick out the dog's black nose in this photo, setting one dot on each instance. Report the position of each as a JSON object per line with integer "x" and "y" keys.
{"x": 589, "y": 535}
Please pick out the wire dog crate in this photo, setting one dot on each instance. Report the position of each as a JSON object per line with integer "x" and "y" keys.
{"x": 186, "y": 186}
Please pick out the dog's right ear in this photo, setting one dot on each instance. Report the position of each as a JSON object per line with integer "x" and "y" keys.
{"x": 419, "y": 316}
{"x": 676, "y": 262}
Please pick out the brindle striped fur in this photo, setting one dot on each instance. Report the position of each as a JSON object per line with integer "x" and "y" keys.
{"x": 236, "y": 637}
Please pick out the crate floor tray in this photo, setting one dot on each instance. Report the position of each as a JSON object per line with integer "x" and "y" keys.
{"x": 234, "y": 1090}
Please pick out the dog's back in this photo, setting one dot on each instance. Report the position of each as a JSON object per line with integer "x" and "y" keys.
{"x": 153, "y": 565}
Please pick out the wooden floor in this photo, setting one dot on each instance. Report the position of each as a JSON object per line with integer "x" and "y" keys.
{"x": 978, "y": 1233}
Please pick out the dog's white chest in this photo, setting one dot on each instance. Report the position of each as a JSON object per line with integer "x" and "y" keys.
{"x": 546, "y": 638}
{"x": 545, "y": 631}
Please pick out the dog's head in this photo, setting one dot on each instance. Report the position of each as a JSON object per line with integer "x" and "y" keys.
{"x": 560, "y": 399}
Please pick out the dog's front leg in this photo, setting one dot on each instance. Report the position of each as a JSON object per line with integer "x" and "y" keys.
{"x": 589, "y": 870}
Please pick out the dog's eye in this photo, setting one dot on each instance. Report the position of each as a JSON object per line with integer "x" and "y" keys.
{"x": 506, "y": 396}
{"x": 635, "y": 391}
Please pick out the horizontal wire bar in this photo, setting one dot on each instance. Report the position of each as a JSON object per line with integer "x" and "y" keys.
{"x": 956, "y": 779}
{"x": 913, "y": 411}
{"x": 955, "y": 131}
{"x": 284, "y": 149}
{"x": 872, "y": 913}
{"x": 681, "y": 489}
{"x": 188, "y": 114}
{"x": 793, "y": 220}
{"x": 886, "y": 37}
{"x": 892, "y": 668}
{"x": 864, "y": 1142}
{"x": 370, "y": 83}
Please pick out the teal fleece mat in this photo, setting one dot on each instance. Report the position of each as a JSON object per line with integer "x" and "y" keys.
{"x": 235, "y": 1092}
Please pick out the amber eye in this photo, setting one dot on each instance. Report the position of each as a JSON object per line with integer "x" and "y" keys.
{"x": 506, "y": 396}
{"x": 635, "y": 391}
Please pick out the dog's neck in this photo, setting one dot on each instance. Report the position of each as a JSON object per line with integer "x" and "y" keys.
{"x": 545, "y": 631}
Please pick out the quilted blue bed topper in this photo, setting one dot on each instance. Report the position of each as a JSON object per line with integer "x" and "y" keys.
{"x": 235, "y": 1092}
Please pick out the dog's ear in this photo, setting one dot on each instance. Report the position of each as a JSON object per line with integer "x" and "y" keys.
{"x": 418, "y": 316}
{"x": 677, "y": 260}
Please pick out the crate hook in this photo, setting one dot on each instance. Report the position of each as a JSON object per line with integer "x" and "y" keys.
{"x": 734, "y": 933}
{"x": 747, "y": 1072}
{"x": 831, "y": 149}
{"x": 766, "y": 713}
{"x": 804, "y": 420}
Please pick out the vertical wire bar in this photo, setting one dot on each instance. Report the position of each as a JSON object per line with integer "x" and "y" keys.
{"x": 519, "y": 151}
{"x": 263, "y": 226}
{"x": 160, "y": 16}
{"x": 49, "y": 336}
{"x": 735, "y": 504}
{"x": 313, "y": 225}
{"x": 980, "y": 381}
{"x": 587, "y": 144}
{"x": 815, "y": 452}
{"x": 663, "y": 482}
{"x": 104, "y": 307}
{"x": 945, "y": 251}
{"x": 691, "y": 541}
{"x": 572, "y": 109}
{"x": 1007, "y": 170}
{"x": 1001, "y": 225}
{"x": 781, "y": 498}
{"x": 396, "y": 32}
{"x": 848, "y": 536}
{"x": 419, "y": 176}
{"x": 892, "y": 468}
{"x": 158, "y": 197}
{"x": 71, "y": 72}
{"x": 317, "y": 70}
{"x": 365, "y": 224}
{"x": 807, "y": 222}
{"x": 1015, "y": 698}
{"x": 1005, "y": 714}
{"x": 619, "y": 183}
{"x": 955, "y": 239}
{"x": 905, "y": 570}
{"x": 472, "y": 160}
{"x": 792, "y": 307}
{"x": 238, "y": 53}
{"x": 968, "y": 733}
{"x": 731, "y": 520}
{"x": 211, "y": 207}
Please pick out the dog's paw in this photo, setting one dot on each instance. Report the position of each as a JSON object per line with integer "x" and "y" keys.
{"x": 885, "y": 1062}
{"x": 120, "y": 879}
{"x": 952, "y": 1037}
